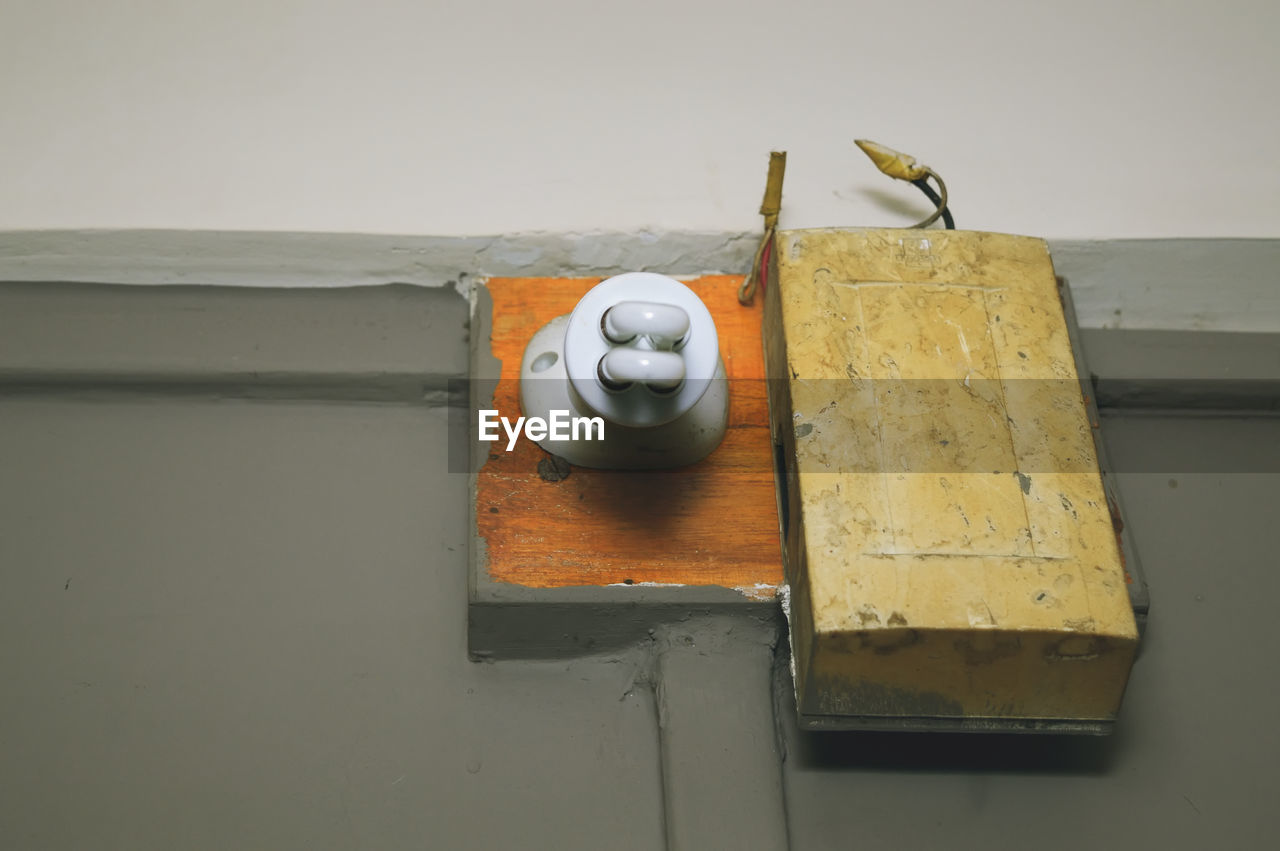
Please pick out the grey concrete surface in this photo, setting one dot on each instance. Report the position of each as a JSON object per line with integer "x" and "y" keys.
{"x": 722, "y": 781}
{"x": 234, "y": 625}
{"x": 242, "y": 624}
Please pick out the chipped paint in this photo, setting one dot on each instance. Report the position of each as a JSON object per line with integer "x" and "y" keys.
{"x": 645, "y": 585}
{"x": 759, "y": 591}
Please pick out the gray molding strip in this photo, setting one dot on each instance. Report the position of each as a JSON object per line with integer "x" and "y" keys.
{"x": 1184, "y": 370}
{"x": 393, "y": 343}
{"x": 288, "y": 316}
{"x": 1174, "y": 284}
{"x": 232, "y": 258}
{"x": 1170, "y": 284}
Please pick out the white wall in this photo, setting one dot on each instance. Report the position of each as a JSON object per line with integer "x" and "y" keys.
{"x": 1068, "y": 119}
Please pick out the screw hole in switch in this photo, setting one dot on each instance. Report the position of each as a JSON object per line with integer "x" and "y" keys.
{"x": 544, "y": 361}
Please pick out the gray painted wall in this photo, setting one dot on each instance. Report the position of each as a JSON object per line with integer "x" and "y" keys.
{"x": 233, "y": 567}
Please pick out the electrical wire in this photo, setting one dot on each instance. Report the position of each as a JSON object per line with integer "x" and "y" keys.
{"x": 939, "y": 201}
{"x": 758, "y": 273}
{"x": 770, "y": 206}
{"x": 902, "y": 166}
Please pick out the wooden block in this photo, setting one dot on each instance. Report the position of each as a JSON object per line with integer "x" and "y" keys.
{"x": 948, "y": 546}
{"x": 712, "y": 523}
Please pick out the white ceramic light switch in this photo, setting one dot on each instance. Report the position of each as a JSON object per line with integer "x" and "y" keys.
{"x": 640, "y": 352}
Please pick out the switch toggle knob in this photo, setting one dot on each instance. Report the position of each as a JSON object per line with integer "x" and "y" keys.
{"x": 661, "y": 371}
{"x": 663, "y": 325}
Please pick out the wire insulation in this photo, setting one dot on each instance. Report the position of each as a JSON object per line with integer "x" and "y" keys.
{"x": 939, "y": 201}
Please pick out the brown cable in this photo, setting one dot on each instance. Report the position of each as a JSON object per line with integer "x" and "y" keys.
{"x": 770, "y": 207}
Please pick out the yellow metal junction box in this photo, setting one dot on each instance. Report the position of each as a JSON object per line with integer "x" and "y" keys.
{"x": 949, "y": 550}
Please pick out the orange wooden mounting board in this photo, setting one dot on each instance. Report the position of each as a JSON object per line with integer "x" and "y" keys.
{"x": 713, "y": 523}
